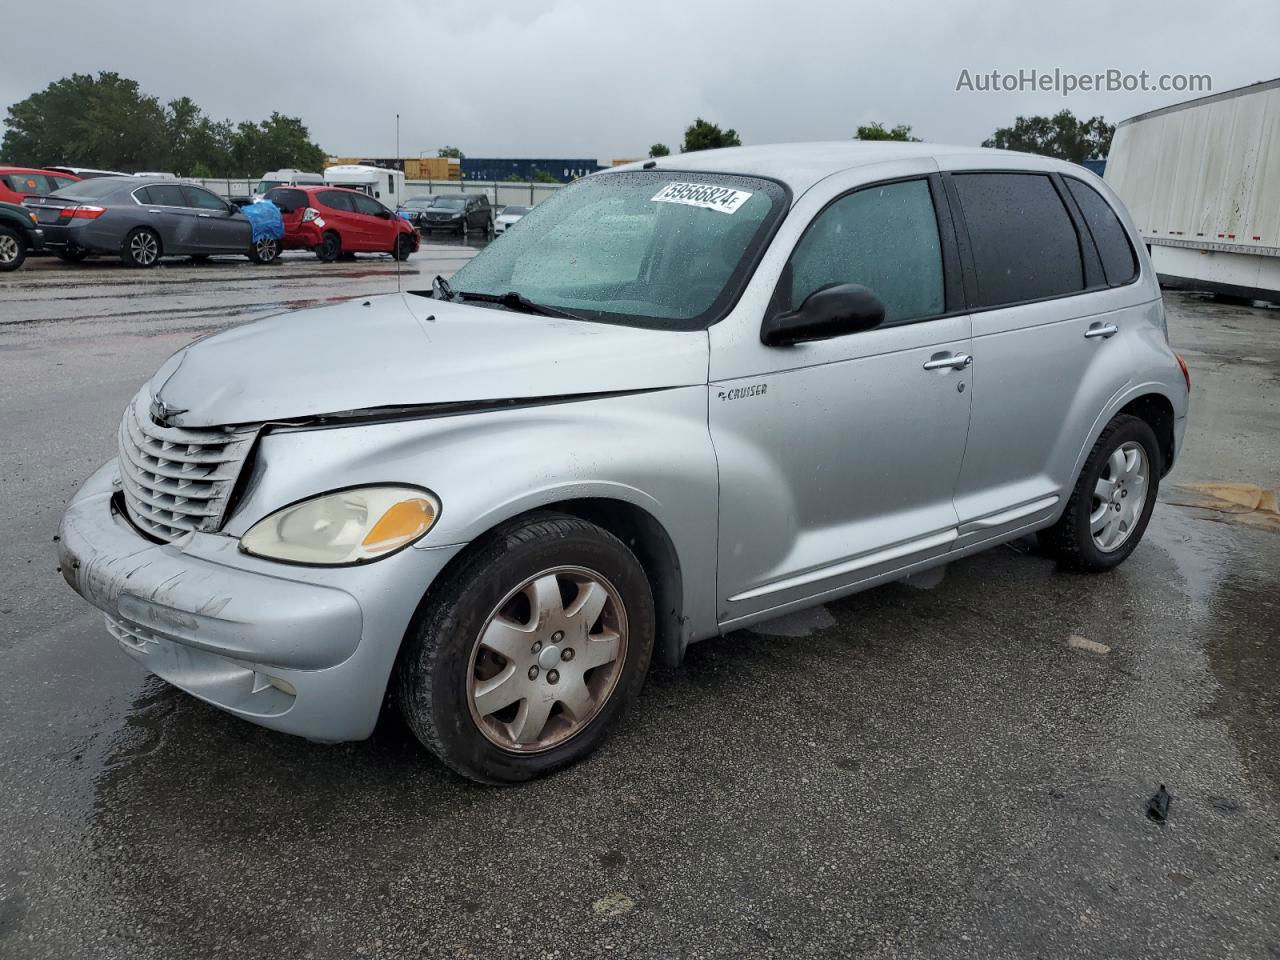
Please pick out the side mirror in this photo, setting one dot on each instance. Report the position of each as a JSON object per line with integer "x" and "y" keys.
{"x": 831, "y": 311}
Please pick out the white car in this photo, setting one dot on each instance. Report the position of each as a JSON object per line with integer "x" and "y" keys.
{"x": 508, "y": 216}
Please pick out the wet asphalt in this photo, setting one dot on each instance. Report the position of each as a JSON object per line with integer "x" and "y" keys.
{"x": 929, "y": 769}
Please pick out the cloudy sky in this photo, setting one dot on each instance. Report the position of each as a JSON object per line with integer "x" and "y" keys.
{"x": 604, "y": 79}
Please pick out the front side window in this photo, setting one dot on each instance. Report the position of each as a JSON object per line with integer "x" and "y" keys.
{"x": 367, "y": 205}
{"x": 1024, "y": 244}
{"x": 883, "y": 237}
{"x": 1118, "y": 259}
{"x": 666, "y": 250}
{"x": 203, "y": 199}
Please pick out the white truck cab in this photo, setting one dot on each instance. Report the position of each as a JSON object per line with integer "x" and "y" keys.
{"x": 386, "y": 186}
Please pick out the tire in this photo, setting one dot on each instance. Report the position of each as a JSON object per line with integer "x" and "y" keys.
{"x": 490, "y": 231}
{"x": 13, "y": 249}
{"x": 1100, "y": 527}
{"x": 403, "y": 248}
{"x": 264, "y": 250}
{"x": 71, "y": 254}
{"x": 330, "y": 248}
{"x": 464, "y": 231}
{"x": 444, "y": 665}
{"x": 141, "y": 248}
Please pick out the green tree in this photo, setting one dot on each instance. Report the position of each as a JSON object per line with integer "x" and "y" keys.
{"x": 541, "y": 176}
{"x": 877, "y": 131}
{"x": 1062, "y": 136}
{"x": 453, "y": 152}
{"x": 512, "y": 178}
{"x": 659, "y": 150}
{"x": 701, "y": 135}
{"x": 102, "y": 121}
{"x": 107, "y": 121}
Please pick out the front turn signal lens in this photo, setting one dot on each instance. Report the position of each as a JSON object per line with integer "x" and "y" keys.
{"x": 347, "y": 526}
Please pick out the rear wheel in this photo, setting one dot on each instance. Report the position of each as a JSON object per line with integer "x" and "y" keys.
{"x": 1111, "y": 504}
{"x": 403, "y": 248}
{"x": 141, "y": 248}
{"x": 71, "y": 254}
{"x": 264, "y": 250}
{"x": 520, "y": 661}
{"x": 330, "y": 247}
{"x": 464, "y": 231}
{"x": 13, "y": 249}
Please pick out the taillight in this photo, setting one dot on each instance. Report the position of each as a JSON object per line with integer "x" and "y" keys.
{"x": 309, "y": 214}
{"x": 1186, "y": 374}
{"x": 82, "y": 212}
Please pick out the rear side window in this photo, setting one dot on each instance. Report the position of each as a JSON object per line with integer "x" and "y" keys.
{"x": 1118, "y": 260}
{"x": 336, "y": 200}
{"x": 1024, "y": 244}
{"x": 37, "y": 184}
{"x": 883, "y": 237}
{"x": 166, "y": 195}
{"x": 288, "y": 200}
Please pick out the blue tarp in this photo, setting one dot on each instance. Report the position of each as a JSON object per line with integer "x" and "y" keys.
{"x": 265, "y": 219}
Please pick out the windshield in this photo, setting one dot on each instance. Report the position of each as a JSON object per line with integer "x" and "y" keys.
{"x": 664, "y": 250}
{"x": 514, "y": 211}
{"x": 450, "y": 203}
{"x": 418, "y": 202}
{"x": 265, "y": 185}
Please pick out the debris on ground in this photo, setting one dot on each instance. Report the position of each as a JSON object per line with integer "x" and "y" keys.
{"x": 1077, "y": 642}
{"x": 1245, "y": 503}
{"x": 1158, "y": 805}
{"x": 613, "y": 905}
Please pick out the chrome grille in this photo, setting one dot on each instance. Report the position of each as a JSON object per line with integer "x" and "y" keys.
{"x": 177, "y": 479}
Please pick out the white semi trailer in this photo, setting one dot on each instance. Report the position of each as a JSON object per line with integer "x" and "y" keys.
{"x": 1202, "y": 181}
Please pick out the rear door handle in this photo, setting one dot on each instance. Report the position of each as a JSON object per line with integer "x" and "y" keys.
{"x": 957, "y": 361}
{"x": 204, "y": 215}
{"x": 1103, "y": 330}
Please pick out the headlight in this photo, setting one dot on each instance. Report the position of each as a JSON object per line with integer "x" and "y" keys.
{"x": 349, "y": 526}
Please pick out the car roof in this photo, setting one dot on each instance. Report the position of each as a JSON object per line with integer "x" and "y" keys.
{"x": 35, "y": 170}
{"x": 801, "y": 165}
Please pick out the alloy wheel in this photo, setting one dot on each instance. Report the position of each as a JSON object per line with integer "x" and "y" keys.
{"x": 144, "y": 248}
{"x": 1119, "y": 496}
{"x": 267, "y": 249}
{"x": 8, "y": 249}
{"x": 547, "y": 659}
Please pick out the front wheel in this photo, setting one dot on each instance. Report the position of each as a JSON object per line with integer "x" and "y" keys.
{"x": 141, "y": 248}
{"x": 523, "y": 657}
{"x": 264, "y": 250}
{"x": 13, "y": 249}
{"x": 403, "y": 248}
{"x": 1111, "y": 504}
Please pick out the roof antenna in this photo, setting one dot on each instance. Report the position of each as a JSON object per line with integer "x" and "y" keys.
{"x": 396, "y": 213}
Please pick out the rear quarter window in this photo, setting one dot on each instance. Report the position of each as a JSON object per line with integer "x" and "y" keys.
{"x": 1023, "y": 243}
{"x": 1119, "y": 262}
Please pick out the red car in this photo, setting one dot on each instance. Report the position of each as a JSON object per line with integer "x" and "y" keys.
{"x": 334, "y": 221}
{"x": 18, "y": 183}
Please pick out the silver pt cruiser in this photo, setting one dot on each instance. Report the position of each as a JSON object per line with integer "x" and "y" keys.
{"x": 678, "y": 398}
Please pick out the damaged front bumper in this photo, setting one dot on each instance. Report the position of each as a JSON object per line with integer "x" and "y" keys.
{"x": 305, "y": 656}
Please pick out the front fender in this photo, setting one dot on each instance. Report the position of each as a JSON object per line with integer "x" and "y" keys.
{"x": 651, "y": 450}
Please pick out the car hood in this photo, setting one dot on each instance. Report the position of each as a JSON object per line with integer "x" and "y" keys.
{"x": 401, "y": 350}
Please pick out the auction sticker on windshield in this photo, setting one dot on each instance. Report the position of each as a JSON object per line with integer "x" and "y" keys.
{"x": 703, "y": 195}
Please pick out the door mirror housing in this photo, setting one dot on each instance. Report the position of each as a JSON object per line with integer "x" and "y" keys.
{"x": 832, "y": 311}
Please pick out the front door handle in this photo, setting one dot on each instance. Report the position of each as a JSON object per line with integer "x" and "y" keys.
{"x": 957, "y": 361}
{"x": 1103, "y": 330}
{"x": 205, "y": 216}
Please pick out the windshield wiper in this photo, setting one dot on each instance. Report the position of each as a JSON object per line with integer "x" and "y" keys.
{"x": 516, "y": 301}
